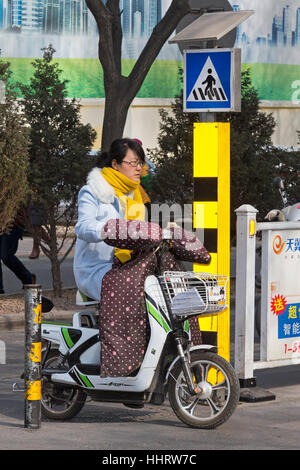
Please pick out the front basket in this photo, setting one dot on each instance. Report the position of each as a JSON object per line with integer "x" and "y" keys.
{"x": 194, "y": 292}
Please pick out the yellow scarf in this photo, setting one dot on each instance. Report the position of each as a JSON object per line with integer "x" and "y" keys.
{"x": 133, "y": 209}
{"x": 144, "y": 174}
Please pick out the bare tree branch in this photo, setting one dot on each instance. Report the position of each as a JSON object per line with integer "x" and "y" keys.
{"x": 162, "y": 31}
{"x": 67, "y": 251}
{"x": 110, "y": 38}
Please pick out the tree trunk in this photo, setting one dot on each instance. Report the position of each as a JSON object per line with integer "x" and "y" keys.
{"x": 56, "y": 278}
{"x": 115, "y": 114}
{"x": 53, "y": 255}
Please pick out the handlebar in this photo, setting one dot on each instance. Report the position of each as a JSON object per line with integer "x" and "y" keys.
{"x": 184, "y": 245}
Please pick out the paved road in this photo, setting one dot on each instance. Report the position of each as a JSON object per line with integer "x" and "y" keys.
{"x": 42, "y": 268}
{"x": 269, "y": 425}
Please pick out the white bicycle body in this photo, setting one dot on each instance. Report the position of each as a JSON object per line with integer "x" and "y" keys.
{"x": 88, "y": 341}
{"x": 169, "y": 357}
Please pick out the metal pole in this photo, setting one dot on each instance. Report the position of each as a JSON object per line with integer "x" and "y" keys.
{"x": 33, "y": 353}
{"x": 207, "y": 117}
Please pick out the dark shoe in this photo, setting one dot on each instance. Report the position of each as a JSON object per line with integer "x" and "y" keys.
{"x": 2, "y": 291}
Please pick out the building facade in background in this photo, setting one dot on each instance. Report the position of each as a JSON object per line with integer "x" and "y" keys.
{"x": 73, "y": 17}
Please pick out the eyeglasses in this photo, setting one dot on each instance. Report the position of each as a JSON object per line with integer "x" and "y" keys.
{"x": 135, "y": 163}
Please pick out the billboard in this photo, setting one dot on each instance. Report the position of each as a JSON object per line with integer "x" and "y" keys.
{"x": 270, "y": 43}
{"x": 27, "y": 26}
{"x": 281, "y": 294}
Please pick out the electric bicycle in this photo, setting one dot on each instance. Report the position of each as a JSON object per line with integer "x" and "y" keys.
{"x": 202, "y": 387}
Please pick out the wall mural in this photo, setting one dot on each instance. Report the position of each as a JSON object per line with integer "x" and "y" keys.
{"x": 270, "y": 43}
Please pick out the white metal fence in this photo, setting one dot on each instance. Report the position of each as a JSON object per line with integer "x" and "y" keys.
{"x": 280, "y": 294}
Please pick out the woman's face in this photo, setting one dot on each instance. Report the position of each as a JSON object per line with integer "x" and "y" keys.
{"x": 131, "y": 166}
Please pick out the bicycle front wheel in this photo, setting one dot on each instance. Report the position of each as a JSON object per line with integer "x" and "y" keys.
{"x": 219, "y": 394}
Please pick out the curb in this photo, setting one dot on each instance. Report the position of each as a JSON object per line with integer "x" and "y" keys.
{"x": 15, "y": 320}
{"x": 44, "y": 292}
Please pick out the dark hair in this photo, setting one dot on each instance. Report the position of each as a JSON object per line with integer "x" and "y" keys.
{"x": 118, "y": 150}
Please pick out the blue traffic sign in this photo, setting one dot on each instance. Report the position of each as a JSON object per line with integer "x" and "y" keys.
{"x": 212, "y": 80}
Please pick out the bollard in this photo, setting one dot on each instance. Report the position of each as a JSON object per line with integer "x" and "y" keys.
{"x": 245, "y": 295}
{"x": 33, "y": 353}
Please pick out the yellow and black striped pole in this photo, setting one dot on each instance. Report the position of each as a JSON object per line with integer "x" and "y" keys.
{"x": 33, "y": 353}
{"x": 211, "y": 214}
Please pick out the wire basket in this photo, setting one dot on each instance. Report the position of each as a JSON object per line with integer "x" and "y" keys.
{"x": 192, "y": 293}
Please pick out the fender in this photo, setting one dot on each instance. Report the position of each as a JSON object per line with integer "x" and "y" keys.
{"x": 201, "y": 347}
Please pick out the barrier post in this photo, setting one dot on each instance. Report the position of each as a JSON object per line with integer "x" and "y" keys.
{"x": 33, "y": 352}
{"x": 245, "y": 295}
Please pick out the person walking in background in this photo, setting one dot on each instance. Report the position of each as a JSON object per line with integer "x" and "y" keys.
{"x": 37, "y": 218}
{"x": 8, "y": 247}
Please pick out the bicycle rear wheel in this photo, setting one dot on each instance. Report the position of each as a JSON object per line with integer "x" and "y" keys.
{"x": 59, "y": 402}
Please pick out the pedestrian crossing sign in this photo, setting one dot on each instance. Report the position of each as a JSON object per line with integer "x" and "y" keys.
{"x": 212, "y": 80}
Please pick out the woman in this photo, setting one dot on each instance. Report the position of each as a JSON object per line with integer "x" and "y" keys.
{"x": 111, "y": 192}
{"x": 116, "y": 275}
{"x": 111, "y": 203}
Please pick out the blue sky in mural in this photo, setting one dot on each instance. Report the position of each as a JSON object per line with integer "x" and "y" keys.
{"x": 272, "y": 34}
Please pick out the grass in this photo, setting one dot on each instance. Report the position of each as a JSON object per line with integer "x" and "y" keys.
{"x": 273, "y": 81}
{"x": 86, "y": 77}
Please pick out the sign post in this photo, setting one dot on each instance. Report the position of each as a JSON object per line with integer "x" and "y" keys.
{"x": 212, "y": 215}
{"x": 33, "y": 356}
{"x": 212, "y": 83}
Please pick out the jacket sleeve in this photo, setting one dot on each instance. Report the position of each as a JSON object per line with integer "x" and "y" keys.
{"x": 187, "y": 247}
{"x": 136, "y": 235}
{"x": 92, "y": 216}
{"x": 131, "y": 234}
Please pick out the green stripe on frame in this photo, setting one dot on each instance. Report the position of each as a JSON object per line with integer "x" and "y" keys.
{"x": 85, "y": 380}
{"x": 67, "y": 338}
{"x": 58, "y": 323}
{"x": 157, "y": 317}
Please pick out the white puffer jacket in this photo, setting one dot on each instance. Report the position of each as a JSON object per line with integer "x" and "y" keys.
{"x": 97, "y": 203}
